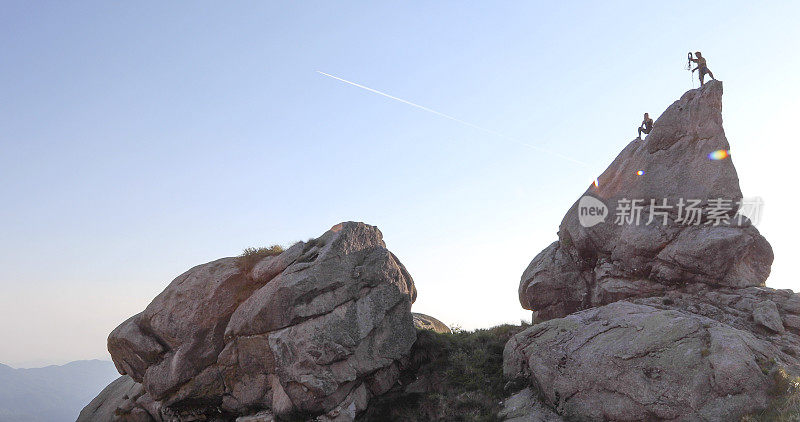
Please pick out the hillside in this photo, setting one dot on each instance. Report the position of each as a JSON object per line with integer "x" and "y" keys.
{"x": 53, "y": 393}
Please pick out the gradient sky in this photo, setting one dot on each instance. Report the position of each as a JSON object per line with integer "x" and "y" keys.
{"x": 142, "y": 138}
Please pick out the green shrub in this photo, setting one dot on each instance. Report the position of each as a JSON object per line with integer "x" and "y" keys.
{"x": 456, "y": 376}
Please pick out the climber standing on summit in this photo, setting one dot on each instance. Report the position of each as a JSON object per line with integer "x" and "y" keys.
{"x": 647, "y": 125}
{"x": 701, "y": 66}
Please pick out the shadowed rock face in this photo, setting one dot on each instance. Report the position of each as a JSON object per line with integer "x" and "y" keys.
{"x": 123, "y": 400}
{"x": 661, "y": 321}
{"x": 590, "y": 266}
{"x": 314, "y": 331}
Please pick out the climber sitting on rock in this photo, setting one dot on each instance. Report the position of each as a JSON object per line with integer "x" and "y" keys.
{"x": 701, "y": 65}
{"x": 647, "y": 125}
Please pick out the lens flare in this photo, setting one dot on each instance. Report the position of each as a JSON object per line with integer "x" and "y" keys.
{"x": 719, "y": 154}
{"x": 640, "y": 172}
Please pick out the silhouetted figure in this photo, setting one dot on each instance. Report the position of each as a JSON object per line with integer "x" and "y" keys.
{"x": 702, "y": 66}
{"x": 647, "y": 125}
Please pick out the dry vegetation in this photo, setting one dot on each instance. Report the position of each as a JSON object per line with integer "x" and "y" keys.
{"x": 785, "y": 404}
{"x": 250, "y": 256}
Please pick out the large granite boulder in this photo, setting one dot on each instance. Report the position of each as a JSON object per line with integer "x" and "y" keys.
{"x": 312, "y": 332}
{"x": 627, "y": 361}
{"x": 664, "y": 318}
{"x": 683, "y": 227}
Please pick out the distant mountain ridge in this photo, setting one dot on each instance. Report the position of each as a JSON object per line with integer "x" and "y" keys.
{"x": 54, "y": 393}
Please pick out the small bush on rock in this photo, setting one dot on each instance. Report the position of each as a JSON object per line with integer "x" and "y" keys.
{"x": 250, "y": 256}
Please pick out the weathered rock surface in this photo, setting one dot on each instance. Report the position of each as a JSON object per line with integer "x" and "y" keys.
{"x": 592, "y": 266}
{"x": 524, "y": 406}
{"x": 664, "y": 319}
{"x": 427, "y": 322}
{"x": 312, "y": 332}
{"x": 628, "y": 361}
{"x": 123, "y": 400}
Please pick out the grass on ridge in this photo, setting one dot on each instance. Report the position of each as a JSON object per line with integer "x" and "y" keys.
{"x": 250, "y": 256}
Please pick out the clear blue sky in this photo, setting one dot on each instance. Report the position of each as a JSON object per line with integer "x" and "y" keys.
{"x": 142, "y": 138}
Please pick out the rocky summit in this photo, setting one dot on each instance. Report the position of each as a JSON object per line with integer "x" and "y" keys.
{"x": 655, "y": 248}
{"x": 311, "y": 332}
{"x": 647, "y": 312}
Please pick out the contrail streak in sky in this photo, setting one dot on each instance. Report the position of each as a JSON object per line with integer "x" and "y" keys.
{"x": 455, "y": 119}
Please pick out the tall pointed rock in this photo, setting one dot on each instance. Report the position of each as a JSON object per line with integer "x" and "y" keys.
{"x": 669, "y": 218}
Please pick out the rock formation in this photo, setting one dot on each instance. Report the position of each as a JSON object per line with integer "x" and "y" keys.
{"x": 666, "y": 317}
{"x": 312, "y": 332}
{"x": 427, "y": 322}
{"x": 651, "y": 305}
{"x": 590, "y": 266}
